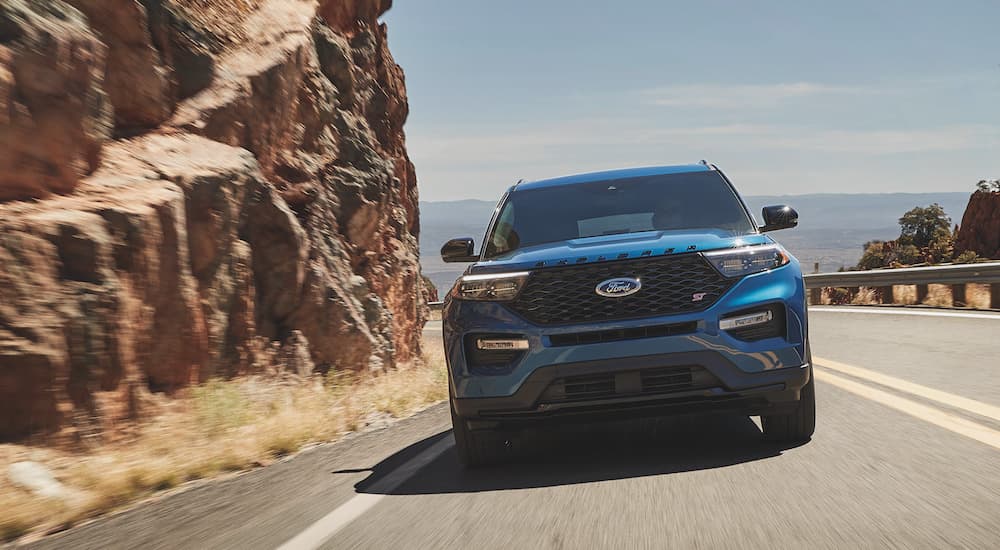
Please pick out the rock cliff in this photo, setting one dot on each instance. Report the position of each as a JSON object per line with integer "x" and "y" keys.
{"x": 186, "y": 186}
{"x": 980, "y": 227}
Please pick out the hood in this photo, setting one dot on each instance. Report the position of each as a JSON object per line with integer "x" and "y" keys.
{"x": 606, "y": 248}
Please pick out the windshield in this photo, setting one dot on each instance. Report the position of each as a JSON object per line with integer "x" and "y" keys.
{"x": 669, "y": 202}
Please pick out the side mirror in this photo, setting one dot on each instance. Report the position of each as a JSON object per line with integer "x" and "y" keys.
{"x": 459, "y": 250}
{"x": 777, "y": 217}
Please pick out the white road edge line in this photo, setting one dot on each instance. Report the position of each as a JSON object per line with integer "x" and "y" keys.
{"x": 876, "y": 310}
{"x": 945, "y": 398}
{"x": 934, "y": 416}
{"x": 328, "y": 526}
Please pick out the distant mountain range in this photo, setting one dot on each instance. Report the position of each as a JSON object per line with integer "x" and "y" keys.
{"x": 832, "y": 227}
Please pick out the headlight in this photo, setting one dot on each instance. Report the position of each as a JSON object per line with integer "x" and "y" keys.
{"x": 499, "y": 287}
{"x": 745, "y": 261}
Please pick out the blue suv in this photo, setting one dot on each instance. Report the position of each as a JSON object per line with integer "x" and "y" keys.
{"x": 645, "y": 291}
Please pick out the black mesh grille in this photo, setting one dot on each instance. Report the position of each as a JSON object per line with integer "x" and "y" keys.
{"x": 655, "y": 381}
{"x": 670, "y": 284}
{"x": 667, "y": 380}
{"x": 590, "y": 387}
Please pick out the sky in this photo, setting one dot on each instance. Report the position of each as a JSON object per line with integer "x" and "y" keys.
{"x": 786, "y": 96}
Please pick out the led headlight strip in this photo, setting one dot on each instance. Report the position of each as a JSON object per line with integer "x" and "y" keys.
{"x": 747, "y": 260}
{"x": 498, "y": 287}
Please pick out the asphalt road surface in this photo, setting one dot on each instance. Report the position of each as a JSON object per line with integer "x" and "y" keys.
{"x": 906, "y": 455}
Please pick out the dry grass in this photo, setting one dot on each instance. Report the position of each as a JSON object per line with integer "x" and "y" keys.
{"x": 865, "y": 296}
{"x": 222, "y": 426}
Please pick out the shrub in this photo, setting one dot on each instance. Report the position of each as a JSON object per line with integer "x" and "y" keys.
{"x": 839, "y": 296}
{"x": 967, "y": 257}
{"x": 874, "y": 256}
{"x": 906, "y": 254}
{"x": 942, "y": 247}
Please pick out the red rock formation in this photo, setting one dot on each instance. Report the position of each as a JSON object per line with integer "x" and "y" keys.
{"x": 980, "y": 228}
{"x": 54, "y": 115}
{"x": 139, "y": 85}
{"x": 277, "y": 203}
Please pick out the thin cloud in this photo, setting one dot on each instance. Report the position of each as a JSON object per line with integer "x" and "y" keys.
{"x": 743, "y": 96}
{"x": 878, "y": 142}
{"x": 559, "y": 141}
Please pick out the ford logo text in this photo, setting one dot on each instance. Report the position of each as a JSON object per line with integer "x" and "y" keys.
{"x": 619, "y": 287}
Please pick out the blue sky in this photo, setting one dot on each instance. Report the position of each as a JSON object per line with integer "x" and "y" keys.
{"x": 788, "y": 97}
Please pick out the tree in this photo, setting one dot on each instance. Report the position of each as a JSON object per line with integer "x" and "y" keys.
{"x": 874, "y": 256}
{"x": 922, "y": 225}
{"x": 942, "y": 248}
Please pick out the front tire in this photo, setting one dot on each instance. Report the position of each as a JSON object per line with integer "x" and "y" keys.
{"x": 798, "y": 425}
{"x": 477, "y": 447}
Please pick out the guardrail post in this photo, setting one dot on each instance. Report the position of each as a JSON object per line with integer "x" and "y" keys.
{"x": 995, "y": 296}
{"x": 958, "y": 295}
{"x": 921, "y": 293}
{"x": 815, "y": 296}
{"x": 885, "y": 295}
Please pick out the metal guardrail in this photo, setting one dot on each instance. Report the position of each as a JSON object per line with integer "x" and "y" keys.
{"x": 957, "y": 276}
{"x": 939, "y": 274}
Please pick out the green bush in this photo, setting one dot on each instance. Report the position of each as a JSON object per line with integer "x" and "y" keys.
{"x": 967, "y": 257}
{"x": 942, "y": 248}
{"x": 906, "y": 254}
{"x": 874, "y": 256}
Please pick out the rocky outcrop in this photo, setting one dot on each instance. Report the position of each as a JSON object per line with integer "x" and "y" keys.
{"x": 430, "y": 290}
{"x": 139, "y": 83}
{"x": 54, "y": 115}
{"x": 980, "y": 228}
{"x": 269, "y": 202}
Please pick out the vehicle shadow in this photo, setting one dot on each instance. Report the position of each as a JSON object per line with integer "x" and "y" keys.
{"x": 571, "y": 455}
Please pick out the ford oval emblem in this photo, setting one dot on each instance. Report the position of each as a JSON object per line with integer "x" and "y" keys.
{"x": 619, "y": 287}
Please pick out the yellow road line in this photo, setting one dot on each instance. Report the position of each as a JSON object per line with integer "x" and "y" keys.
{"x": 934, "y": 416}
{"x": 950, "y": 399}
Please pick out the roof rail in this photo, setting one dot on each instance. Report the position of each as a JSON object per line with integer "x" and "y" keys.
{"x": 707, "y": 164}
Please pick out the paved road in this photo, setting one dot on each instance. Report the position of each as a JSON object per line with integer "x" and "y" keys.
{"x": 906, "y": 455}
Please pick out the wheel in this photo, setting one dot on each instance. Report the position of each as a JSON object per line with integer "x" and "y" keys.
{"x": 477, "y": 447}
{"x": 798, "y": 425}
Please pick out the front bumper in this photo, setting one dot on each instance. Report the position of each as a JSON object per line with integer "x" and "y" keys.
{"x": 758, "y": 377}
{"x": 769, "y": 392}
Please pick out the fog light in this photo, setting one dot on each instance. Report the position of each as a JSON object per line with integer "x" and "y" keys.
{"x": 497, "y": 344}
{"x": 748, "y": 320}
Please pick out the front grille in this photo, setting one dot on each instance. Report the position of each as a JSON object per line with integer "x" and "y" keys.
{"x": 589, "y": 387}
{"x": 670, "y": 284}
{"x": 666, "y": 380}
{"x": 655, "y": 381}
{"x": 615, "y": 335}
